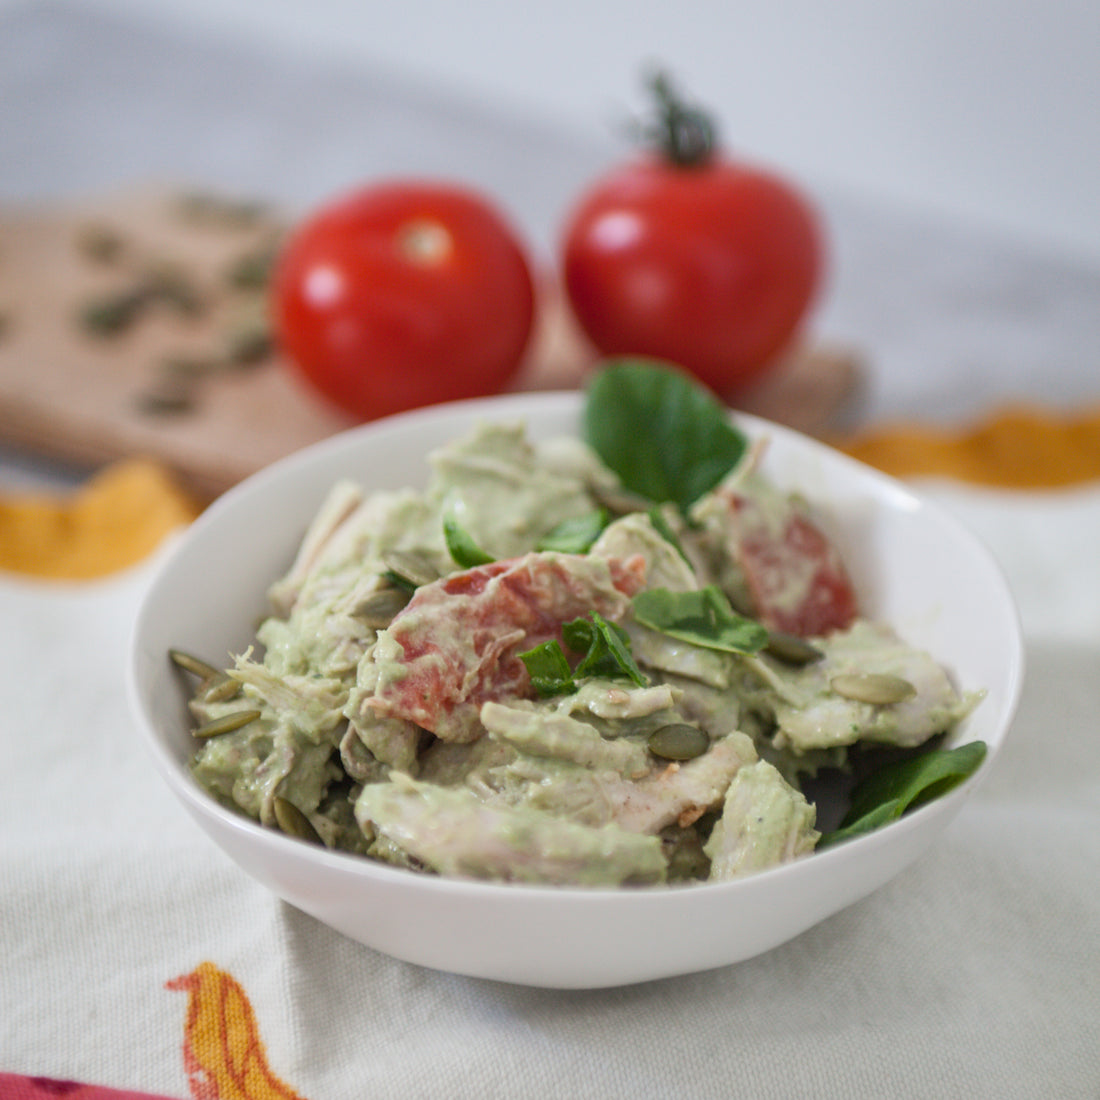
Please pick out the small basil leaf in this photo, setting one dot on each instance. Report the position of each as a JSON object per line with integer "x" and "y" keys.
{"x": 660, "y": 525}
{"x": 703, "y": 617}
{"x": 460, "y": 545}
{"x": 608, "y": 653}
{"x": 881, "y": 815}
{"x": 576, "y": 535}
{"x": 666, "y": 436}
{"x": 891, "y": 791}
{"x": 549, "y": 669}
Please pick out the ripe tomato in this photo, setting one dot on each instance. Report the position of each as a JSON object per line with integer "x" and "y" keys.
{"x": 686, "y": 256}
{"x": 404, "y": 294}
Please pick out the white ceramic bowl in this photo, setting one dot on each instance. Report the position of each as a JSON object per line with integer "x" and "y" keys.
{"x": 915, "y": 567}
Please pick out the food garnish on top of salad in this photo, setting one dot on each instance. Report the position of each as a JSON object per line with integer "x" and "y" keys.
{"x": 617, "y": 660}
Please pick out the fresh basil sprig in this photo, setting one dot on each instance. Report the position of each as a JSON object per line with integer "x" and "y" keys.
{"x": 549, "y": 669}
{"x": 606, "y": 649}
{"x": 888, "y": 793}
{"x": 666, "y": 436}
{"x": 702, "y": 617}
{"x": 606, "y": 652}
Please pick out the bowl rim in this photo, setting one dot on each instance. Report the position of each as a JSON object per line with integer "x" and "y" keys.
{"x": 200, "y": 804}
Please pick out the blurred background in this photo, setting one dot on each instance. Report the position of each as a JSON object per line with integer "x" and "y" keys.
{"x": 988, "y": 112}
{"x": 951, "y": 147}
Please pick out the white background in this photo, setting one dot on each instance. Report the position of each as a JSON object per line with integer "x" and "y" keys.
{"x": 988, "y": 109}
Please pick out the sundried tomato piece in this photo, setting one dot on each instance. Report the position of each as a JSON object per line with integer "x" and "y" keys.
{"x": 457, "y": 642}
{"x": 795, "y": 575}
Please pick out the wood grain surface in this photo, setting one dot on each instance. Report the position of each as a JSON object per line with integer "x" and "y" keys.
{"x": 167, "y": 385}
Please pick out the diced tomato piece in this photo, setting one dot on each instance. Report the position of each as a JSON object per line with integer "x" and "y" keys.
{"x": 460, "y": 637}
{"x": 795, "y": 576}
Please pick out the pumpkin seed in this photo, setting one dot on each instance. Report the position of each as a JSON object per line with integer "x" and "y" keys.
{"x": 248, "y": 340}
{"x": 220, "y": 688}
{"x": 191, "y": 366}
{"x": 619, "y": 500}
{"x": 99, "y": 243}
{"x": 114, "y": 313}
{"x": 169, "y": 397}
{"x": 378, "y": 609}
{"x": 219, "y": 211}
{"x": 877, "y": 688}
{"x": 227, "y": 723}
{"x": 790, "y": 649}
{"x": 415, "y": 568}
{"x": 678, "y": 741}
{"x": 252, "y": 270}
{"x": 293, "y": 821}
{"x": 193, "y": 664}
{"x": 167, "y": 283}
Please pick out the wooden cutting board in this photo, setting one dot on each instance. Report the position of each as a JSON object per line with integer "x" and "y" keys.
{"x": 185, "y": 381}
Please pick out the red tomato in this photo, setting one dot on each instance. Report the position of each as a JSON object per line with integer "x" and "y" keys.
{"x": 404, "y": 294}
{"x": 689, "y": 257}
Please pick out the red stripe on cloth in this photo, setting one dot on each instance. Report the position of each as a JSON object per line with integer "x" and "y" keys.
{"x": 14, "y": 1086}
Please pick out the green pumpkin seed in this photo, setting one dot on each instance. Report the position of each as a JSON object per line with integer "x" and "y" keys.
{"x": 415, "y": 568}
{"x": 99, "y": 243}
{"x": 227, "y": 723}
{"x": 169, "y": 396}
{"x": 114, "y": 313}
{"x": 379, "y": 608}
{"x": 790, "y": 649}
{"x": 619, "y": 500}
{"x": 877, "y": 688}
{"x": 293, "y": 821}
{"x": 194, "y": 665}
{"x": 678, "y": 741}
{"x": 248, "y": 340}
{"x": 220, "y": 688}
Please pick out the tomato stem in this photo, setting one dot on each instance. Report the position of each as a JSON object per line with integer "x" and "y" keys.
{"x": 684, "y": 134}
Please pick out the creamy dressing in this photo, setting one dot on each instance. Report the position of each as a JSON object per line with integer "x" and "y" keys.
{"x": 419, "y": 740}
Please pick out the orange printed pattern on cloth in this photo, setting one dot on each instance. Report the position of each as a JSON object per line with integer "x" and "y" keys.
{"x": 115, "y": 521}
{"x": 124, "y": 513}
{"x": 223, "y": 1054}
{"x": 1016, "y": 447}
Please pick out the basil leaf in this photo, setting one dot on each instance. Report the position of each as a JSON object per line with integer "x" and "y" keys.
{"x": 703, "y": 617}
{"x": 660, "y": 525}
{"x": 576, "y": 535}
{"x": 606, "y": 649}
{"x": 666, "y": 436}
{"x": 460, "y": 545}
{"x": 549, "y": 669}
{"x": 888, "y": 793}
{"x": 881, "y": 815}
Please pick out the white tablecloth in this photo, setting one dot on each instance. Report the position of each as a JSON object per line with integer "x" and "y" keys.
{"x": 974, "y": 973}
